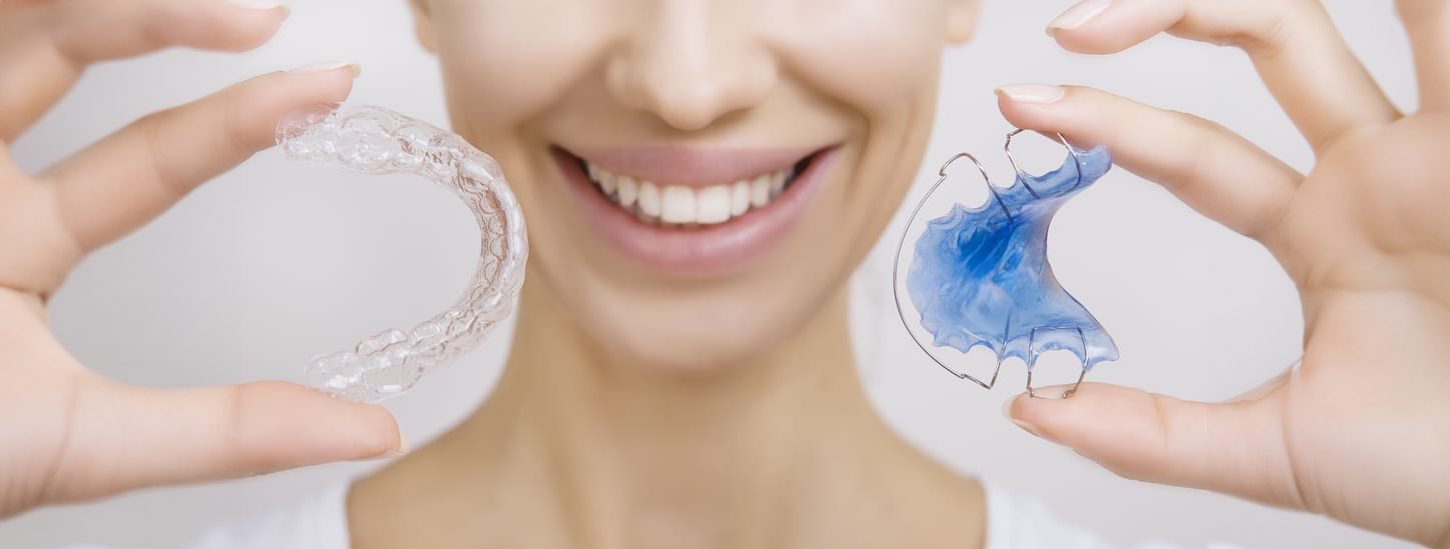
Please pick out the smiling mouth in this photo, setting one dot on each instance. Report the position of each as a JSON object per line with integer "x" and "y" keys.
{"x": 691, "y": 211}
{"x": 695, "y": 205}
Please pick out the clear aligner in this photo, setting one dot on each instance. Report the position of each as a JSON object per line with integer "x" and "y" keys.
{"x": 374, "y": 140}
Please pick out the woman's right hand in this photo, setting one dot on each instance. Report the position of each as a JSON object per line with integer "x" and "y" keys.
{"x": 1357, "y": 431}
{"x": 67, "y": 434}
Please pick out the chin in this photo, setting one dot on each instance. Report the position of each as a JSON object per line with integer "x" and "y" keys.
{"x": 701, "y": 331}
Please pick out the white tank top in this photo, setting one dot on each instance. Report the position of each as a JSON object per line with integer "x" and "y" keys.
{"x": 320, "y": 522}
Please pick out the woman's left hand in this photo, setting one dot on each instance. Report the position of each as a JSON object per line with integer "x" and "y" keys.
{"x": 1361, "y": 430}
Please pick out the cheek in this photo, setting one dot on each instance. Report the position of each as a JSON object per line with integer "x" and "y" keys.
{"x": 877, "y": 55}
{"x": 505, "y": 61}
{"x": 880, "y": 59}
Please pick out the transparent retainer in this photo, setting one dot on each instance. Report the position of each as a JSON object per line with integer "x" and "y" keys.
{"x": 373, "y": 140}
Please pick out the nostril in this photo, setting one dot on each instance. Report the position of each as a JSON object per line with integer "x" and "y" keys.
{"x": 690, "y": 105}
{"x": 690, "y": 88}
{"x": 684, "y": 101}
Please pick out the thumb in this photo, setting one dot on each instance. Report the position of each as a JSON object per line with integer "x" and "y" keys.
{"x": 1235, "y": 448}
{"x": 122, "y": 438}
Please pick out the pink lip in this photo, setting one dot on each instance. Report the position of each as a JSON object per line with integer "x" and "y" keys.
{"x": 691, "y": 166}
{"x": 700, "y": 252}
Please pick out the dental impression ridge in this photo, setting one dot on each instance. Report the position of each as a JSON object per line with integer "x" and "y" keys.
{"x": 373, "y": 140}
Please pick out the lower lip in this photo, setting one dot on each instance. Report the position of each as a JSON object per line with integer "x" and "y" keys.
{"x": 710, "y": 251}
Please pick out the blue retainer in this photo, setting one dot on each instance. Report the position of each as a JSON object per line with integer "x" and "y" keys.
{"x": 980, "y": 275}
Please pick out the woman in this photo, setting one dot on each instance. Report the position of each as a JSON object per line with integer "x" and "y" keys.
{"x": 679, "y": 379}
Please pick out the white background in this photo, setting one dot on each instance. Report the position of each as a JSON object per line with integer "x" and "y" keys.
{"x": 272, "y": 263}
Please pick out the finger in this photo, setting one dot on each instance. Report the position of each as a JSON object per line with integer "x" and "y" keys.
{"x": 1234, "y": 448}
{"x": 35, "y": 259}
{"x": 130, "y": 177}
{"x": 1298, "y": 52}
{"x": 122, "y": 438}
{"x": 1268, "y": 387}
{"x": 37, "y": 254}
{"x": 44, "y": 46}
{"x": 1428, "y": 23}
{"x": 1213, "y": 170}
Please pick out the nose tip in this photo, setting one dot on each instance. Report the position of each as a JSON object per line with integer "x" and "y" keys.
{"x": 689, "y": 74}
{"x": 692, "y": 97}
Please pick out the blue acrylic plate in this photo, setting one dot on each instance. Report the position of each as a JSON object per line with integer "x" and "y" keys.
{"x": 972, "y": 268}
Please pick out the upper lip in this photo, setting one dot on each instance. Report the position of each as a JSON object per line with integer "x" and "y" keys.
{"x": 692, "y": 166}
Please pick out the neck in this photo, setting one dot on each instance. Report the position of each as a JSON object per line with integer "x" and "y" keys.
{"x": 781, "y": 451}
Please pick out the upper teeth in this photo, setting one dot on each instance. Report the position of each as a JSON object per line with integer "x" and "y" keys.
{"x": 689, "y": 205}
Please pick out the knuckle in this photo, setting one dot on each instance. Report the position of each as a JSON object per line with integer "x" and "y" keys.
{"x": 152, "y": 128}
{"x": 1267, "y": 39}
{"x": 234, "y": 406}
{"x": 1270, "y": 35}
{"x": 240, "y": 438}
{"x": 1261, "y": 29}
{"x": 41, "y": 247}
{"x": 1203, "y": 127}
{"x": 1201, "y": 138}
{"x": 234, "y": 122}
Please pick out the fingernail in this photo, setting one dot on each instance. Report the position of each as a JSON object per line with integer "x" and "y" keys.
{"x": 1078, "y": 15}
{"x": 330, "y": 66}
{"x": 1025, "y": 426}
{"x": 261, "y": 5}
{"x": 1032, "y": 93}
{"x": 403, "y": 447}
{"x": 1007, "y": 413}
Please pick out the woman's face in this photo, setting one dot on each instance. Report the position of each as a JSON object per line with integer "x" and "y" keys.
{"x": 699, "y": 176}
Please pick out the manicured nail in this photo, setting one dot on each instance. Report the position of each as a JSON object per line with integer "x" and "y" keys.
{"x": 1007, "y": 413}
{"x": 1078, "y": 15}
{"x": 1025, "y": 426}
{"x": 403, "y": 447}
{"x": 1032, "y": 93}
{"x": 330, "y": 66}
{"x": 262, "y": 5}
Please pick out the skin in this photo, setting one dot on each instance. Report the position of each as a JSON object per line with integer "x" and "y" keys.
{"x": 85, "y": 436}
{"x": 703, "y": 430}
{"x": 610, "y": 75}
{"x": 1361, "y": 237}
{"x": 671, "y": 433}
